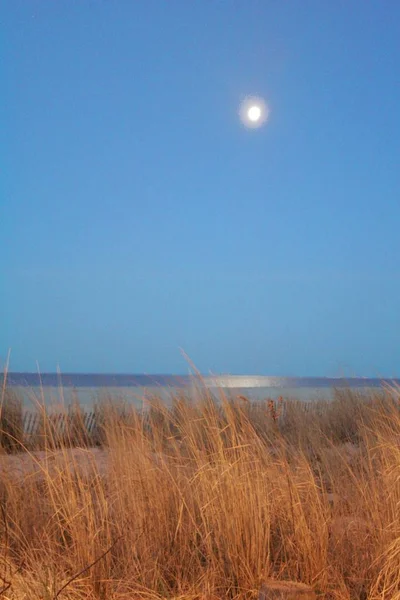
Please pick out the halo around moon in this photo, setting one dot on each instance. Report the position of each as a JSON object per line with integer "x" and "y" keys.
{"x": 253, "y": 112}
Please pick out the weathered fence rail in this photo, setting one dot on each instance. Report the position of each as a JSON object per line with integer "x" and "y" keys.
{"x": 33, "y": 422}
{"x": 38, "y": 429}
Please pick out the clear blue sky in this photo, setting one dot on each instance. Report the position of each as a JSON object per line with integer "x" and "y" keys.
{"x": 138, "y": 216}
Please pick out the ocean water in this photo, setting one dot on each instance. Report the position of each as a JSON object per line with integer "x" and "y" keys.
{"x": 88, "y": 388}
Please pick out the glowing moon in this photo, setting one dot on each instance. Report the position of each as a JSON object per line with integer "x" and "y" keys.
{"x": 253, "y": 112}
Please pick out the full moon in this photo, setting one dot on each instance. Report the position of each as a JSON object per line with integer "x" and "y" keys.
{"x": 254, "y": 113}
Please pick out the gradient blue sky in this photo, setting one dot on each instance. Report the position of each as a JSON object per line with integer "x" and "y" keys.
{"x": 138, "y": 216}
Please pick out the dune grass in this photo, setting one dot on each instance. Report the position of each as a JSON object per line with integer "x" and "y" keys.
{"x": 207, "y": 499}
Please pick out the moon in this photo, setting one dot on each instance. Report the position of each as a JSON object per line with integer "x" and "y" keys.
{"x": 254, "y": 112}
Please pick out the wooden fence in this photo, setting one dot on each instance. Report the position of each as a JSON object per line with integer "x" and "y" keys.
{"x": 30, "y": 429}
{"x": 32, "y": 422}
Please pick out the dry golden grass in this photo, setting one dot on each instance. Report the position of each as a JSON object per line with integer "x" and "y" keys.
{"x": 208, "y": 500}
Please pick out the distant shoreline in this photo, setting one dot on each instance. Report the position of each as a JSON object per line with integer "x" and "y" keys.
{"x": 105, "y": 380}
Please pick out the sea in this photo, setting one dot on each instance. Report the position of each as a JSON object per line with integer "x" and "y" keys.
{"x": 66, "y": 388}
